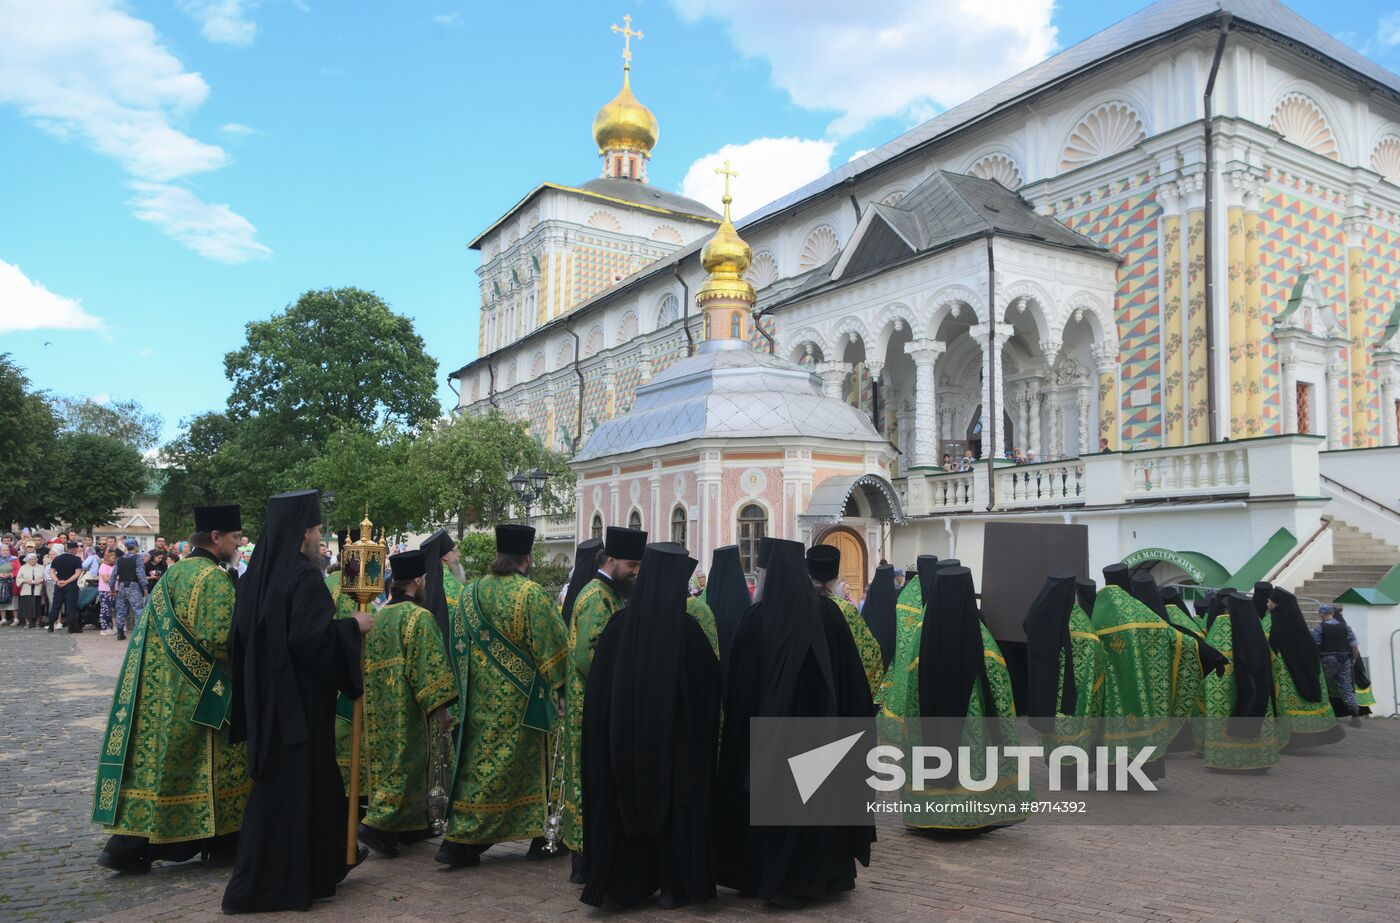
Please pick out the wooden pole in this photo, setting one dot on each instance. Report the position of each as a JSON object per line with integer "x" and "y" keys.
{"x": 352, "y": 824}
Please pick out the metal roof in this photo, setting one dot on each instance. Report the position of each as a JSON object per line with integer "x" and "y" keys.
{"x": 727, "y": 391}
{"x": 829, "y": 498}
{"x": 618, "y": 191}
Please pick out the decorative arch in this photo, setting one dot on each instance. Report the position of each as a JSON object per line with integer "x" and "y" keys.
{"x": 604, "y": 219}
{"x": 804, "y": 338}
{"x": 532, "y": 219}
{"x": 564, "y": 354}
{"x": 763, "y": 271}
{"x": 888, "y": 322}
{"x": 1086, "y": 305}
{"x": 894, "y": 196}
{"x": 948, "y": 299}
{"x": 847, "y": 329}
{"x": 593, "y": 343}
{"x": 999, "y": 168}
{"x": 627, "y": 327}
{"x": 1385, "y": 159}
{"x": 1107, "y": 129}
{"x": 667, "y": 233}
{"x": 1034, "y": 297}
{"x": 1301, "y": 121}
{"x": 668, "y": 309}
{"x": 508, "y": 375}
{"x": 537, "y": 366}
{"x": 820, "y": 246}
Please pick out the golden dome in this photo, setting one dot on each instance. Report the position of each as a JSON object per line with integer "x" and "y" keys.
{"x": 625, "y": 124}
{"x": 726, "y": 257}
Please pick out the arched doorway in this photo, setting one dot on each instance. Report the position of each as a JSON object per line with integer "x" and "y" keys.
{"x": 974, "y": 432}
{"x": 853, "y": 559}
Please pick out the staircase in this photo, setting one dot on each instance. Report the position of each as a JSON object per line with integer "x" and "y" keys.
{"x": 1359, "y": 559}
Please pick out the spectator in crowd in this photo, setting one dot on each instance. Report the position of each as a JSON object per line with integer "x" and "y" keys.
{"x": 898, "y": 579}
{"x": 58, "y": 545}
{"x": 156, "y": 565}
{"x": 91, "y": 562}
{"x": 948, "y": 462}
{"x": 1103, "y": 444}
{"x": 9, "y": 573}
{"x": 64, "y": 570}
{"x": 1030, "y": 457}
{"x": 106, "y": 591}
{"x": 31, "y": 591}
{"x": 129, "y": 587}
{"x": 160, "y": 545}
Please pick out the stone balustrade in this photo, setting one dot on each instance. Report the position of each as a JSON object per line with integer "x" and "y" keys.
{"x": 1270, "y": 466}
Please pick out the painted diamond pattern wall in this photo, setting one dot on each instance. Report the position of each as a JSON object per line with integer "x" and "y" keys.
{"x": 1382, "y": 290}
{"x": 1296, "y": 233}
{"x": 1123, "y": 217}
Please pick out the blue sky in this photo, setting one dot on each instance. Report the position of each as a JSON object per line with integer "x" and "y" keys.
{"x": 174, "y": 169}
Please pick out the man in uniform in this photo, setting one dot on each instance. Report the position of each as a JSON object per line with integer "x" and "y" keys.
{"x": 408, "y": 686}
{"x": 129, "y": 582}
{"x": 618, "y": 565}
{"x": 508, "y": 628}
{"x": 824, "y": 566}
{"x": 169, "y": 783}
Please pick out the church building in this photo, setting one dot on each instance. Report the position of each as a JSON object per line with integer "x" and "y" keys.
{"x": 1160, "y": 268}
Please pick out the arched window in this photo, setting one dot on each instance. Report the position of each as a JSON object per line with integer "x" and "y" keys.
{"x": 678, "y": 523}
{"x": 634, "y": 520}
{"x": 753, "y": 525}
{"x": 597, "y": 528}
{"x": 734, "y": 325}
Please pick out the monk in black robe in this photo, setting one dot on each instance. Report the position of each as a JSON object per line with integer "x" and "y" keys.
{"x": 793, "y": 656}
{"x": 650, "y": 730}
{"x": 1086, "y": 591}
{"x": 585, "y": 569}
{"x": 878, "y": 610}
{"x": 727, "y": 595}
{"x": 289, "y": 657}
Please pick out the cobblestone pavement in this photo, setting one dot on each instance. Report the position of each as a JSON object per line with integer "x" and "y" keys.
{"x": 54, "y": 694}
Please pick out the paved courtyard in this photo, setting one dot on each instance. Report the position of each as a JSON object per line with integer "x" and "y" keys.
{"x": 54, "y": 693}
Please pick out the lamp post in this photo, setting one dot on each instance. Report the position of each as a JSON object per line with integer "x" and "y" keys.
{"x": 529, "y": 488}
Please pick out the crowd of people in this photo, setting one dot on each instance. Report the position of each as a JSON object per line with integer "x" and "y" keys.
{"x": 611, "y": 722}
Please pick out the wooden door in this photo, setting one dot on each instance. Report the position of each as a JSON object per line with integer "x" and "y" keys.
{"x": 853, "y": 568}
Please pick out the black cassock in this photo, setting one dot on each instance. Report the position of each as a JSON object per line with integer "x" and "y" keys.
{"x": 293, "y": 656}
{"x": 778, "y": 668}
{"x": 650, "y": 735}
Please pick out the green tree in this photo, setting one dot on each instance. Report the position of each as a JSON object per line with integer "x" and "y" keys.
{"x": 363, "y": 469}
{"x": 28, "y": 456}
{"x": 99, "y": 475}
{"x": 337, "y": 358}
{"x": 466, "y": 464}
{"x": 192, "y": 471}
{"x": 124, "y": 420}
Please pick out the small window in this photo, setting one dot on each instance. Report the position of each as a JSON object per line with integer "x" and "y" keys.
{"x": 597, "y": 528}
{"x": 634, "y": 520}
{"x": 678, "y": 525}
{"x": 617, "y": 167}
{"x": 753, "y": 525}
{"x": 735, "y": 325}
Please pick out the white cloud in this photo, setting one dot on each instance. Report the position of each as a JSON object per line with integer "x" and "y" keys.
{"x": 214, "y": 231}
{"x": 448, "y": 19}
{"x": 238, "y": 131}
{"x": 85, "y": 69}
{"x": 223, "y": 21}
{"x": 907, "y": 58}
{"x": 859, "y": 154}
{"x": 30, "y": 306}
{"x": 768, "y": 168}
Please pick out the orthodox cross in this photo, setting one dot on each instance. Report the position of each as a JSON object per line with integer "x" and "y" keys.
{"x": 727, "y": 173}
{"x": 627, "y": 33}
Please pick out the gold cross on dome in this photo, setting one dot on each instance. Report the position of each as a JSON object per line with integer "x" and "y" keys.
{"x": 728, "y": 174}
{"x": 627, "y": 33}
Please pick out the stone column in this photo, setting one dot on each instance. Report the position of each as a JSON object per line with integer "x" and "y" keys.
{"x": 1086, "y": 424}
{"x": 1359, "y": 403}
{"x": 989, "y": 337}
{"x": 874, "y": 368}
{"x": 1169, "y": 196}
{"x": 907, "y": 419}
{"x": 1336, "y": 396}
{"x": 1254, "y": 314}
{"x": 925, "y": 354}
{"x": 833, "y": 376}
{"x": 1106, "y": 364}
{"x": 1057, "y": 429}
{"x": 1197, "y": 377}
{"x": 1034, "y": 399}
{"x": 609, "y": 380}
{"x": 1390, "y": 393}
{"x": 1288, "y": 368}
{"x": 1237, "y": 326}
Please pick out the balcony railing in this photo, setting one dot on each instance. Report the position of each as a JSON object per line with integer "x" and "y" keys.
{"x": 1272, "y": 466}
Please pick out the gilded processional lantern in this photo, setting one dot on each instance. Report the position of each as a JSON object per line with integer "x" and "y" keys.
{"x": 362, "y": 566}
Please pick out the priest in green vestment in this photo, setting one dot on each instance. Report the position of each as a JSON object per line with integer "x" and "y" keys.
{"x": 169, "y": 783}
{"x": 615, "y": 574}
{"x": 511, "y": 649}
{"x": 953, "y": 671}
{"x": 1305, "y": 714}
{"x": 1151, "y": 676}
{"x": 1064, "y": 666}
{"x": 824, "y": 566}
{"x": 408, "y": 686}
{"x": 1240, "y": 704}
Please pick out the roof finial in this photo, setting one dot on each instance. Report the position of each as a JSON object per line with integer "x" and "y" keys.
{"x": 727, "y": 173}
{"x": 627, "y": 33}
